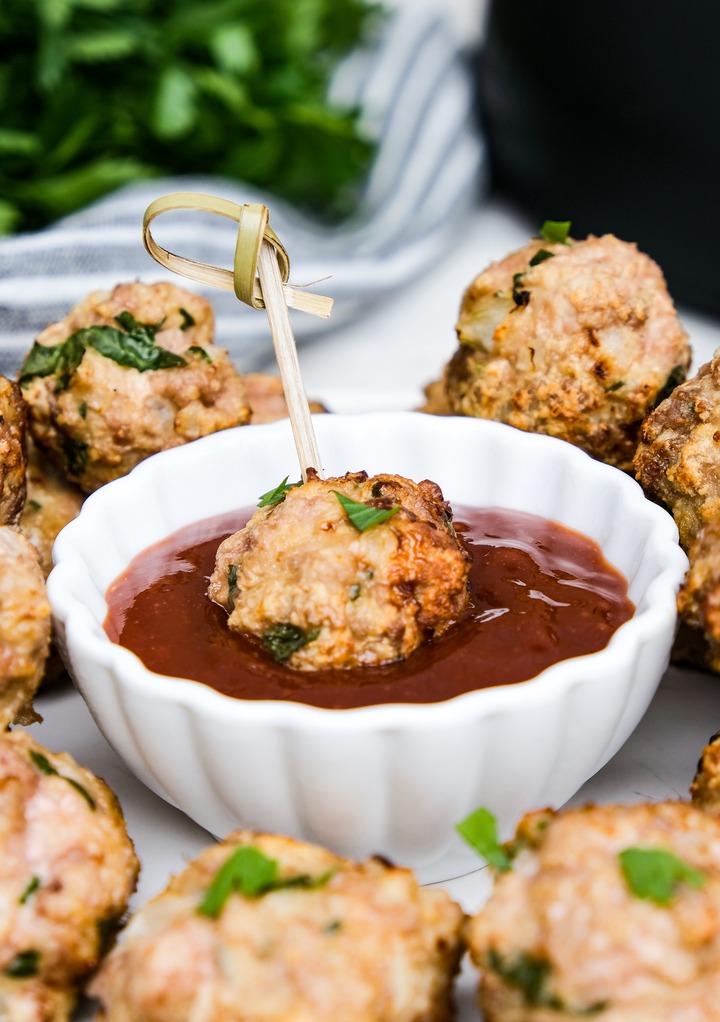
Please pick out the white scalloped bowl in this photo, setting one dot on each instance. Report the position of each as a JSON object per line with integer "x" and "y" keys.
{"x": 392, "y": 779}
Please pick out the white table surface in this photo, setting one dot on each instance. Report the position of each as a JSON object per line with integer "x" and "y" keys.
{"x": 382, "y": 361}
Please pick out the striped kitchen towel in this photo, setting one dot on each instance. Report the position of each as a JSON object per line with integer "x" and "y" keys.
{"x": 416, "y": 94}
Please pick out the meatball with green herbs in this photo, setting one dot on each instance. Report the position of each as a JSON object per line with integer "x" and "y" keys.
{"x": 574, "y": 339}
{"x": 127, "y": 374}
{"x": 261, "y": 928}
{"x": 344, "y": 572}
{"x": 67, "y": 870}
{"x": 608, "y": 912}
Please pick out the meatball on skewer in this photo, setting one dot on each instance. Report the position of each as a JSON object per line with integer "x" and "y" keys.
{"x": 573, "y": 339}
{"x": 266, "y": 929}
{"x": 344, "y": 572}
{"x": 67, "y": 870}
{"x": 127, "y": 374}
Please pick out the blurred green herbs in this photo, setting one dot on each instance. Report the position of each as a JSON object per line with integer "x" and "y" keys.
{"x": 97, "y": 93}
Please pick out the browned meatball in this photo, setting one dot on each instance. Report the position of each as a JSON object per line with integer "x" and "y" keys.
{"x": 678, "y": 464}
{"x": 705, "y": 788}
{"x": 127, "y": 374}
{"x": 266, "y": 398}
{"x": 13, "y": 415}
{"x": 314, "y": 938}
{"x": 579, "y": 345}
{"x": 24, "y": 626}
{"x": 319, "y": 592}
{"x": 610, "y": 912}
{"x": 51, "y": 503}
{"x": 67, "y": 870}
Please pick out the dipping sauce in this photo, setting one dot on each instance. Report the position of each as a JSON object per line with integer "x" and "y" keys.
{"x": 540, "y": 593}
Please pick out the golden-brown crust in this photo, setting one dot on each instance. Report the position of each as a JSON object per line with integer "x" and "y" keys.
{"x": 578, "y": 347}
{"x": 52, "y": 502}
{"x": 366, "y": 597}
{"x": 13, "y": 426}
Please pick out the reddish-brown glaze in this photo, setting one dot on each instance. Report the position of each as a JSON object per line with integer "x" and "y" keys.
{"x": 540, "y": 593}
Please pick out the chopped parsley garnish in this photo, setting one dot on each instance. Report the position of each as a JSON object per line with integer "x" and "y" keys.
{"x": 24, "y": 964}
{"x": 362, "y": 516}
{"x": 519, "y": 294}
{"x": 479, "y": 829}
{"x": 282, "y": 640}
{"x": 530, "y": 976}
{"x": 197, "y": 349}
{"x": 29, "y": 890}
{"x": 611, "y": 388}
{"x": 35, "y": 505}
{"x": 276, "y": 496}
{"x": 45, "y": 766}
{"x": 82, "y": 409}
{"x": 250, "y": 872}
{"x": 132, "y": 346}
{"x": 232, "y": 586}
{"x": 540, "y": 256}
{"x": 187, "y": 319}
{"x": 655, "y": 874}
{"x": 76, "y": 454}
{"x": 676, "y": 377}
{"x": 556, "y": 231}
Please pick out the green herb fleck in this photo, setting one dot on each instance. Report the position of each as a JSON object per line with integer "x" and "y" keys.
{"x": 362, "y": 516}
{"x": 76, "y": 454}
{"x": 29, "y": 890}
{"x": 520, "y": 295}
{"x": 540, "y": 256}
{"x": 611, "y": 388}
{"x": 334, "y": 926}
{"x": 556, "y": 231}
{"x": 35, "y": 505}
{"x": 136, "y": 349}
{"x": 282, "y": 640}
{"x": 187, "y": 320}
{"x": 276, "y": 496}
{"x": 82, "y": 410}
{"x": 527, "y": 974}
{"x": 479, "y": 829}
{"x": 354, "y": 591}
{"x": 24, "y": 964}
{"x": 197, "y": 349}
{"x": 232, "y": 586}
{"x": 655, "y": 874}
{"x": 45, "y": 766}
{"x": 676, "y": 377}
{"x": 250, "y": 872}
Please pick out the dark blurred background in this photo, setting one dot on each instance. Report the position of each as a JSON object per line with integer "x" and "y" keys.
{"x": 607, "y": 114}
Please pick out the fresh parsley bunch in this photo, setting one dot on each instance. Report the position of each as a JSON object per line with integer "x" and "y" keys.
{"x": 97, "y": 93}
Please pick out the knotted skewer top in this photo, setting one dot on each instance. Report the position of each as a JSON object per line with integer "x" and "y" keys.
{"x": 261, "y": 269}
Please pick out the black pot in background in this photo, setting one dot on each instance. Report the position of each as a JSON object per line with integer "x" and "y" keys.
{"x": 608, "y": 114}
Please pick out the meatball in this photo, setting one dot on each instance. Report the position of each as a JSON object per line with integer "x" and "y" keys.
{"x": 24, "y": 626}
{"x": 705, "y": 788}
{"x": 320, "y": 591}
{"x": 266, "y": 398}
{"x": 51, "y": 503}
{"x": 678, "y": 465}
{"x": 262, "y": 928}
{"x": 678, "y": 458}
{"x": 67, "y": 870}
{"x": 127, "y": 374}
{"x": 609, "y": 911}
{"x": 12, "y": 452}
{"x": 574, "y": 340}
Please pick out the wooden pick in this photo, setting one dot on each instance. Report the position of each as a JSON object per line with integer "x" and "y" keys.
{"x": 259, "y": 279}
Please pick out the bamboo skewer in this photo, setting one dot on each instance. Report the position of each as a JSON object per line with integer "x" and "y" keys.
{"x": 259, "y": 279}
{"x": 287, "y": 360}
